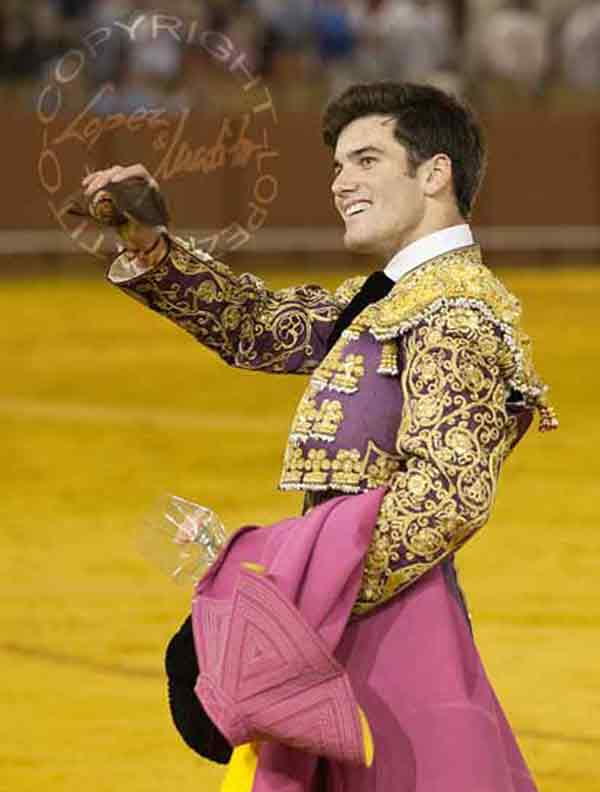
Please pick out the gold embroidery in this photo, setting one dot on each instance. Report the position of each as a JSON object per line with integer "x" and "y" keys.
{"x": 329, "y": 366}
{"x": 349, "y": 289}
{"x": 317, "y": 467}
{"x": 329, "y": 418}
{"x": 340, "y": 374}
{"x": 186, "y": 264}
{"x": 237, "y": 316}
{"x": 388, "y": 361}
{"x": 454, "y": 435}
{"x": 348, "y": 374}
{"x": 231, "y": 317}
{"x": 294, "y": 465}
{"x": 306, "y": 412}
{"x": 346, "y": 469}
{"x": 381, "y": 470}
{"x": 459, "y": 281}
{"x": 320, "y": 422}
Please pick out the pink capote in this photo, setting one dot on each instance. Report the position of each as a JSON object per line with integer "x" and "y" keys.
{"x": 281, "y": 662}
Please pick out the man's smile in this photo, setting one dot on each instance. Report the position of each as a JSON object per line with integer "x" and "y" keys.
{"x": 354, "y": 207}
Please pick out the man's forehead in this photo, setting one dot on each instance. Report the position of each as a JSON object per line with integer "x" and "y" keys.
{"x": 372, "y": 130}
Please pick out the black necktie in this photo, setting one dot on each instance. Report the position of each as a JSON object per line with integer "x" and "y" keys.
{"x": 374, "y": 288}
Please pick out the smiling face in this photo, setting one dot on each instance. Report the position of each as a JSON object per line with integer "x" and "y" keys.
{"x": 383, "y": 206}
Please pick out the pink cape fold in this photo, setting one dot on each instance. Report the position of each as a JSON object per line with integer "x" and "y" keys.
{"x": 281, "y": 662}
{"x": 265, "y": 641}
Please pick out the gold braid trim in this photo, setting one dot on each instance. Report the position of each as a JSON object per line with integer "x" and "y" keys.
{"x": 237, "y": 316}
{"x": 459, "y": 279}
{"x": 454, "y": 434}
{"x": 349, "y": 289}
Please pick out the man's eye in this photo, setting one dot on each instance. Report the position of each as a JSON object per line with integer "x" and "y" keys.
{"x": 367, "y": 161}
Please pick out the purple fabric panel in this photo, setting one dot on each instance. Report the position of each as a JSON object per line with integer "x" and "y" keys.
{"x": 237, "y": 316}
{"x": 371, "y": 413}
{"x": 524, "y": 416}
{"x": 436, "y": 722}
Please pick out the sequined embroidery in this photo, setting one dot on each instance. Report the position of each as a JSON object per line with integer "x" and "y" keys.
{"x": 338, "y": 372}
{"x": 321, "y": 421}
{"x": 456, "y": 331}
{"x": 453, "y": 435}
{"x": 456, "y": 280}
{"x": 388, "y": 361}
{"x": 349, "y": 289}
{"x": 328, "y": 419}
{"x": 346, "y": 470}
{"x": 329, "y": 366}
{"x": 248, "y": 325}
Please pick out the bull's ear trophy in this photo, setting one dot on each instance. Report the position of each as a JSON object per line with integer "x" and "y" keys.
{"x": 118, "y": 203}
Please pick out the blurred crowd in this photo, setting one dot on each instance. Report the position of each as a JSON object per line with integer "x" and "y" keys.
{"x": 493, "y": 51}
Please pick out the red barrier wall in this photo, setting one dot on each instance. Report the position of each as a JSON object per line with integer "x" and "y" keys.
{"x": 544, "y": 169}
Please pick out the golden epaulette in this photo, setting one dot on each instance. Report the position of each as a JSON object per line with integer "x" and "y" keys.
{"x": 457, "y": 280}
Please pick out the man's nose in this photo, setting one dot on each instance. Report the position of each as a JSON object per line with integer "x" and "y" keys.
{"x": 343, "y": 183}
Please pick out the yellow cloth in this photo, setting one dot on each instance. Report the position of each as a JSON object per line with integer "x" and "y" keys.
{"x": 242, "y": 769}
{"x": 244, "y": 760}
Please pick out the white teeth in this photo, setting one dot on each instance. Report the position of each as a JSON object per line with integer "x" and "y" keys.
{"x": 356, "y": 207}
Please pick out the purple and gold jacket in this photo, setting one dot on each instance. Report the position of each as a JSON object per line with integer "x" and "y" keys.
{"x": 426, "y": 392}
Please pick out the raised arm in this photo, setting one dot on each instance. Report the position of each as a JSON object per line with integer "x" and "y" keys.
{"x": 237, "y": 316}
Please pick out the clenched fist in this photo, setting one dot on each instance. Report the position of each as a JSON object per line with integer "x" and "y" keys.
{"x": 128, "y": 199}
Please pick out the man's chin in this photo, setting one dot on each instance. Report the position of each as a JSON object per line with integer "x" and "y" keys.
{"x": 357, "y": 244}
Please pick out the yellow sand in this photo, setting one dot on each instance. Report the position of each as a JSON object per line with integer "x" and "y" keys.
{"x": 104, "y": 407}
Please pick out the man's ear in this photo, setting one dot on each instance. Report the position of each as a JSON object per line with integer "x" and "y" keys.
{"x": 437, "y": 174}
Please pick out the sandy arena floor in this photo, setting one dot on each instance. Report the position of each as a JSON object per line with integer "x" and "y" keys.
{"x": 104, "y": 407}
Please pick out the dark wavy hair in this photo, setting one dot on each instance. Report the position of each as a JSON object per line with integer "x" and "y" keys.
{"x": 428, "y": 121}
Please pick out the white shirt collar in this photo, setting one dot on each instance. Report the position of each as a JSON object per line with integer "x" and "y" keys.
{"x": 427, "y": 248}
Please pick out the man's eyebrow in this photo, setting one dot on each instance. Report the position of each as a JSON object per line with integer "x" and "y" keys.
{"x": 357, "y": 153}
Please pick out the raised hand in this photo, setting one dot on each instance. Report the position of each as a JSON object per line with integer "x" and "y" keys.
{"x": 98, "y": 179}
{"x": 127, "y": 198}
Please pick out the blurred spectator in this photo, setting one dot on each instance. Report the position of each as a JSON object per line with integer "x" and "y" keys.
{"x": 502, "y": 50}
{"x": 245, "y": 29}
{"x": 335, "y": 30}
{"x": 286, "y": 39}
{"x": 406, "y": 40}
{"x": 144, "y": 68}
{"x": 48, "y": 31}
{"x": 290, "y": 21}
{"x": 18, "y": 50}
{"x": 154, "y": 56}
{"x": 579, "y": 46}
{"x": 73, "y": 9}
{"x": 511, "y": 45}
{"x": 30, "y": 34}
{"x": 109, "y": 63}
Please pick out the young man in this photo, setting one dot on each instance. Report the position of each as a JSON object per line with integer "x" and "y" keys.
{"x": 421, "y": 382}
